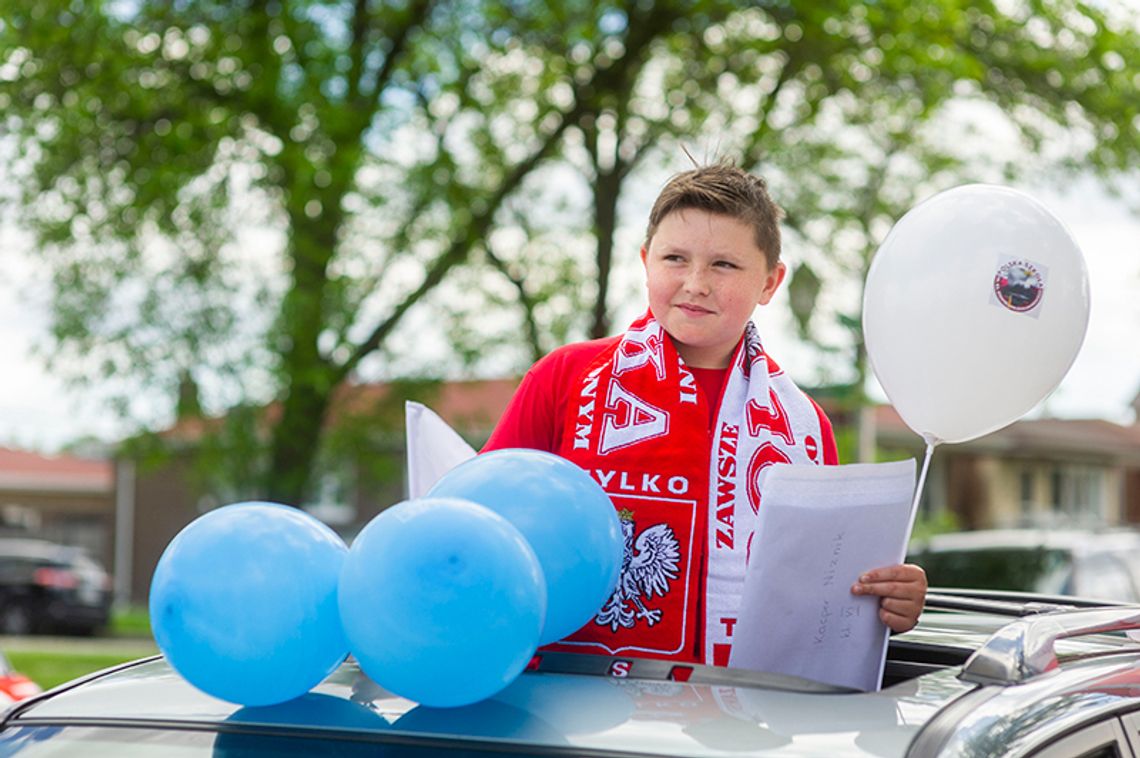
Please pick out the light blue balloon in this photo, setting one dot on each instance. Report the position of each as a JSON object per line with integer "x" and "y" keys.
{"x": 566, "y": 517}
{"x": 243, "y": 603}
{"x": 442, "y": 601}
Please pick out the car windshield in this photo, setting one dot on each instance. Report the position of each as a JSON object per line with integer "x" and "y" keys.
{"x": 1044, "y": 570}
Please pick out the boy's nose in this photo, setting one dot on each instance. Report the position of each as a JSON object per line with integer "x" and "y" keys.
{"x": 696, "y": 282}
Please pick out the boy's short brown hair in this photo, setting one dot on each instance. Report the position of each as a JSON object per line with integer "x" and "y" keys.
{"x": 728, "y": 190}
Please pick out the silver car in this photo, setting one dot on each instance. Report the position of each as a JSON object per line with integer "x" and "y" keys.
{"x": 977, "y": 677}
{"x": 1091, "y": 563}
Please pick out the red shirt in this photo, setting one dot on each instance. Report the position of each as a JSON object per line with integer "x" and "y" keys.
{"x": 535, "y": 417}
{"x": 537, "y": 413}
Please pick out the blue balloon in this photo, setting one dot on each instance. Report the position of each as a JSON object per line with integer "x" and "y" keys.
{"x": 442, "y": 601}
{"x": 243, "y": 603}
{"x": 566, "y": 517}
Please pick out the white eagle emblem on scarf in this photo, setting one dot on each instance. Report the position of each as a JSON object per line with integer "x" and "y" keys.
{"x": 648, "y": 566}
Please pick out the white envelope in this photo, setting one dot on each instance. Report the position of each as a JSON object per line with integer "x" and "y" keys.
{"x": 820, "y": 527}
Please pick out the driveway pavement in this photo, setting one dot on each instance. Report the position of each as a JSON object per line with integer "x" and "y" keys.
{"x": 126, "y": 646}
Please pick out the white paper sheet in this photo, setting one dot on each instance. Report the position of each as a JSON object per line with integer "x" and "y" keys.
{"x": 820, "y": 527}
{"x": 433, "y": 448}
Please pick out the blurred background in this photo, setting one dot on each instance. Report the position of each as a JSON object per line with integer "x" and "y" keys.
{"x": 235, "y": 237}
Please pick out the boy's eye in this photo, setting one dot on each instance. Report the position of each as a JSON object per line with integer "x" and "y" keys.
{"x": 726, "y": 264}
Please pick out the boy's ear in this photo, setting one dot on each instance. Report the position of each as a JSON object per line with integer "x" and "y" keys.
{"x": 644, "y": 253}
{"x": 772, "y": 281}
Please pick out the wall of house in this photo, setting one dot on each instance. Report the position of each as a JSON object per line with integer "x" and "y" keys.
{"x": 1036, "y": 492}
{"x": 1130, "y": 488}
{"x": 83, "y": 519}
{"x": 164, "y": 501}
{"x": 166, "y": 498}
{"x": 966, "y": 492}
{"x": 1004, "y": 508}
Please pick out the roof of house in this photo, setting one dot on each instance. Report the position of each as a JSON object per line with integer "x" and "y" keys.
{"x": 21, "y": 470}
{"x": 1054, "y": 436}
{"x": 472, "y": 408}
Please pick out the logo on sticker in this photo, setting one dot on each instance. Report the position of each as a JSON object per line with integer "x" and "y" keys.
{"x": 1019, "y": 285}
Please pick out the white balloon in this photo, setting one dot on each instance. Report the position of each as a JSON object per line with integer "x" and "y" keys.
{"x": 975, "y": 307}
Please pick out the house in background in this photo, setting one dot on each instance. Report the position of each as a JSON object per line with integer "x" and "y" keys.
{"x": 1037, "y": 472}
{"x": 63, "y": 498}
{"x": 366, "y": 476}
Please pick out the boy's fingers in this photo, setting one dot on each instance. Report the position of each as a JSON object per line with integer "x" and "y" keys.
{"x": 907, "y": 590}
{"x": 896, "y": 622}
{"x": 908, "y": 608}
{"x": 882, "y": 589}
{"x": 904, "y": 572}
{"x": 901, "y": 590}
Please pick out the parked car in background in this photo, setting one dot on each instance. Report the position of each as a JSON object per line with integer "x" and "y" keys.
{"x": 976, "y": 677}
{"x": 45, "y": 587}
{"x": 1102, "y": 564}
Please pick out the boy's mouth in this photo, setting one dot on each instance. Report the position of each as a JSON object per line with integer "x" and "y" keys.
{"x": 693, "y": 310}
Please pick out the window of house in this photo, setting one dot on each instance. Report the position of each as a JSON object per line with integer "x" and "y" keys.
{"x": 19, "y": 517}
{"x": 1077, "y": 492}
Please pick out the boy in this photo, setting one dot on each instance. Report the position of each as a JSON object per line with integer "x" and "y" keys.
{"x": 678, "y": 418}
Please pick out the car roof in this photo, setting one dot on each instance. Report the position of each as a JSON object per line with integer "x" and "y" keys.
{"x": 544, "y": 710}
{"x": 26, "y": 547}
{"x": 715, "y": 712}
{"x": 1072, "y": 540}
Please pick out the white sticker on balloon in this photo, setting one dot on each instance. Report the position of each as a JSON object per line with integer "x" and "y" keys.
{"x": 1019, "y": 285}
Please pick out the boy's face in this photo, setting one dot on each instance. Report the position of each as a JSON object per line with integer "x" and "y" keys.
{"x": 705, "y": 275}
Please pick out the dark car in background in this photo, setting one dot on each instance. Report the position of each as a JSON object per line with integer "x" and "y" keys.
{"x": 46, "y": 587}
{"x": 1103, "y": 564}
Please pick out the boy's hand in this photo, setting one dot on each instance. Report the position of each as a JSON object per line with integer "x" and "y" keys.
{"x": 903, "y": 592}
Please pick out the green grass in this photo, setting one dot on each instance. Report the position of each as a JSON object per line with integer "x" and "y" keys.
{"x": 47, "y": 668}
{"x": 130, "y": 622}
{"x": 49, "y": 661}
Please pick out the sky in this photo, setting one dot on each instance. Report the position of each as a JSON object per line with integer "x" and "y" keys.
{"x": 38, "y": 413}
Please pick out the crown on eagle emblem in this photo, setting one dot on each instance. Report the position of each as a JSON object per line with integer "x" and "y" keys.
{"x": 625, "y": 514}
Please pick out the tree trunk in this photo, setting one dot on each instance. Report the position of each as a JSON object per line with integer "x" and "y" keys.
{"x": 607, "y": 189}
{"x": 310, "y": 383}
{"x": 294, "y": 445}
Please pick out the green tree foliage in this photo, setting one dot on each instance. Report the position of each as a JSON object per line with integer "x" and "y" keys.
{"x": 383, "y": 138}
{"x": 932, "y": 95}
{"x": 391, "y": 147}
{"x": 855, "y": 112}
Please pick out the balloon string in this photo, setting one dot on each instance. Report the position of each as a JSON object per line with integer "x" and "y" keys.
{"x": 922, "y": 476}
{"x": 930, "y": 443}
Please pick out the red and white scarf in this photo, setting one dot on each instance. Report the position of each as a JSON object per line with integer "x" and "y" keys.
{"x": 688, "y": 498}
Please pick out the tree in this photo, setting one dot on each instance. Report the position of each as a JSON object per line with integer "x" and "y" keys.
{"x": 389, "y": 148}
{"x": 933, "y": 96}
{"x": 382, "y": 138}
{"x": 855, "y": 112}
